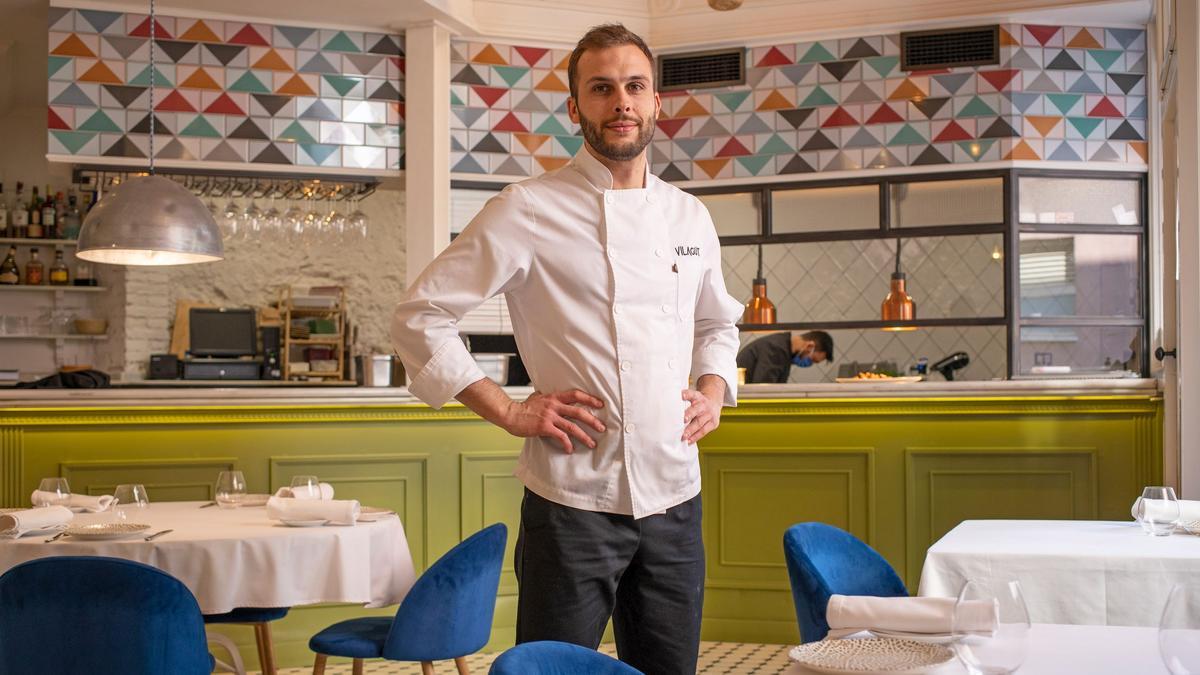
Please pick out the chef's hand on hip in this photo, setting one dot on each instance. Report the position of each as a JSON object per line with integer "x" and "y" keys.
{"x": 701, "y": 417}
{"x": 553, "y": 415}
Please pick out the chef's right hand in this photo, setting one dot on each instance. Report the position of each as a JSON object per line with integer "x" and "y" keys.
{"x": 550, "y": 415}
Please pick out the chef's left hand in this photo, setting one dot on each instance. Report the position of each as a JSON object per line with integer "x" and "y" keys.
{"x": 702, "y": 416}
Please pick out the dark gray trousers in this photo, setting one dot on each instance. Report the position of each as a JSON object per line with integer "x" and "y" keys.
{"x": 577, "y": 568}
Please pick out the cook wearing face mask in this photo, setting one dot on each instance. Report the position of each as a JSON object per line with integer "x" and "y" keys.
{"x": 770, "y": 359}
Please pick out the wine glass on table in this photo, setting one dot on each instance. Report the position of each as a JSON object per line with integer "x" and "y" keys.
{"x": 52, "y": 491}
{"x": 1158, "y": 510}
{"x": 992, "y": 624}
{"x": 306, "y": 487}
{"x": 231, "y": 489}
{"x": 130, "y": 497}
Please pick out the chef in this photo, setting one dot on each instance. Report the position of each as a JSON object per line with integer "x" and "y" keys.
{"x": 619, "y": 310}
{"x": 770, "y": 359}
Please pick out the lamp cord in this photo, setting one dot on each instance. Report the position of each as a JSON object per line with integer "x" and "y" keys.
{"x": 759, "y": 262}
{"x": 897, "y": 255}
{"x": 152, "y": 22}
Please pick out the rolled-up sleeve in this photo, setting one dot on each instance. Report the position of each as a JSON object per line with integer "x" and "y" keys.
{"x": 714, "y": 350}
{"x": 491, "y": 256}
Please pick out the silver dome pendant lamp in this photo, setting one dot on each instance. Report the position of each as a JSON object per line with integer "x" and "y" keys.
{"x": 148, "y": 219}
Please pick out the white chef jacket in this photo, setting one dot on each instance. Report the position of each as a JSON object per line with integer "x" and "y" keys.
{"x": 618, "y": 293}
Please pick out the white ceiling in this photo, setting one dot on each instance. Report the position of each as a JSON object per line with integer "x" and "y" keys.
{"x": 666, "y": 23}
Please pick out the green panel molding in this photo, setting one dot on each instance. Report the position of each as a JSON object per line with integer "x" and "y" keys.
{"x": 897, "y": 472}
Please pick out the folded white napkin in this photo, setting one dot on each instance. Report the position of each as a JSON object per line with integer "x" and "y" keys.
{"x": 75, "y": 502}
{"x": 1189, "y": 509}
{"x": 286, "y": 492}
{"x": 336, "y": 511}
{"x": 18, "y": 523}
{"x": 849, "y": 614}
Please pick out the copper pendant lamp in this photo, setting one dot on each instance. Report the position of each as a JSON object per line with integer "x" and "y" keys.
{"x": 898, "y": 305}
{"x": 759, "y": 309}
{"x": 148, "y": 219}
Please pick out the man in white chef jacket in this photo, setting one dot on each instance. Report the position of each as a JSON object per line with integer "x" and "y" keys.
{"x": 613, "y": 281}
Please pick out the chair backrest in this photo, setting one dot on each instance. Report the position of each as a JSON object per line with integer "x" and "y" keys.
{"x": 99, "y": 615}
{"x": 448, "y": 611}
{"x": 558, "y": 658}
{"x": 823, "y": 560}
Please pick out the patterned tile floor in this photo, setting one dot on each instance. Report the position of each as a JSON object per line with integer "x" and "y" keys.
{"x": 716, "y": 658}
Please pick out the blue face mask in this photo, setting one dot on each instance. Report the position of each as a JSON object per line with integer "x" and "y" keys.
{"x": 802, "y": 361}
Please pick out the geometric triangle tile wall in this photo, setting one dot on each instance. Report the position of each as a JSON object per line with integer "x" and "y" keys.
{"x": 227, "y": 91}
{"x": 1061, "y": 93}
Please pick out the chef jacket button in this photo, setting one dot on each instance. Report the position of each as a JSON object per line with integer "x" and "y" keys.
{"x": 612, "y": 252}
{"x": 629, "y": 428}
{"x": 625, "y": 366}
{"x": 616, "y": 309}
{"x": 609, "y": 198}
{"x": 658, "y": 252}
{"x": 671, "y": 364}
{"x": 649, "y": 199}
{"x": 666, "y": 309}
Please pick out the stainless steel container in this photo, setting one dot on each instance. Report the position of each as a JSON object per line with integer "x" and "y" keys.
{"x": 380, "y": 370}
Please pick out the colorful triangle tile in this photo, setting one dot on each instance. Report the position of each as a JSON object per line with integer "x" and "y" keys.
{"x": 387, "y": 46}
{"x": 531, "y": 142}
{"x": 862, "y": 139}
{"x": 1000, "y": 128}
{"x": 976, "y": 108}
{"x": 99, "y": 121}
{"x": 817, "y": 97}
{"x": 297, "y": 133}
{"x": 1140, "y": 148}
{"x": 531, "y": 55}
{"x": 175, "y": 102}
{"x": 1064, "y": 102}
{"x": 797, "y": 165}
{"x": 142, "y": 79}
{"x": 73, "y": 95}
{"x": 571, "y": 144}
{"x": 1084, "y": 84}
{"x": 143, "y": 126}
{"x": 672, "y": 173}
{"x": 489, "y": 95}
{"x": 224, "y": 105}
{"x": 175, "y": 149}
{"x": 818, "y": 141}
{"x": 1020, "y": 151}
{"x": 775, "y": 146}
{"x": 930, "y": 106}
{"x": 1125, "y": 132}
{"x": 174, "y": 49}
{"x": 860, "y": 50}
{"x": 249, "y": 36}
{"x": 511, "y": 74}
{"x": 224, "y": 152}
{"x": 907, "y": 135}
{"x": 271, "y": 60}
{"x": 295, "y": 86}
{"x": 816, "y": 54}
{"x": 98, "y": 20}
{"x": 734, "y": 99}
{"x": 1104, "y": 108}
{"x": 732, "y": 148}
{"x": 772, "y": 58}
{"x": 1043, "y": 123}
{"x": 977, "y": 148}
{"x": 125, "y": 46}
{"x": 1043, "y": 33}
{"x": 510, "y": 123}
{"x": 754, "y": 163}
{"x": 73, "y": 46}
{"x": 124, "y": 147}
{"x": 510, "y": 167}
{"x": 552, "y": 126}
{"x": 73, "y": 141}
{"x": 884, "y": 114}
{"x": 55, "y": 121}
{"x": 883, "y": 65}
{"x": 249, "y": 82}
{"x": 319, "y": 111}
{"x": 999, "y": 79}
{"x": 1064, "y": 152}
{"x": 712, "y": 167}
{"x": 1105, "y": 153}
{"x": 692, "y": 146}
{"x": 1063, "y": 61}
{"x": 341, "y": 84}
{"x": 839, "y": 118}
{"x": 55, "y": 64}
{"x": 754, "y": 125}
{"x": 200, "y": 32}
{"x": 1084, "y": 40}
{"x": 488, "y": 55}
{"x": 201, "y": 127}
{"x": 1126, "y": 82}
{"x": 775, "y": 101}
{"x": 839, "y": 69}
{"x": 100, "y": 73}
{"x": 271, "y": 155}
{"x": 551, "y": 82}
{"x": 271, "y": 103}
{"x": 467, "y": 75}
{"x": 861, "y": 94}
{"x": 953, "y": 131}
{"x": 1085, "y": 125}
{"x": 907, "y": 90}
{"x": 250, "y": 131}
{"x": 143, "y": 30}
{"x": 295, "y": 35}
{"x": 797, "y": 116}
{"x": 200, "y": 79}
{"x": 691, "y": 108}
{"x": 930, "y": 155}
{"x": 551, "y": 163}
{"x": 885, "y": 160}
{"x": 1105, "y": 58}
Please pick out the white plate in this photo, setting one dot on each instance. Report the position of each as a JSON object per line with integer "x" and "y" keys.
{"x": 870, "y": 655}
{"x": 1190, "y": 527}
{"x": 369, "y": 514}
{"x": 254, "y": 500}
{"x": 931, "y": 638}
{"x": 304, "y": 523}
{"x": 99, "y": 531}
{"x": 7, "y": 534}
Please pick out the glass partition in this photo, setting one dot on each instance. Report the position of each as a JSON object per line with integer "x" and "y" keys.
{"x": 1087, "y": 201}
{"x": 974, "y": 201}
{"x": 825, "y": 209}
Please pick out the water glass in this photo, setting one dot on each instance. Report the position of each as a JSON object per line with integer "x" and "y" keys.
{"x": 1179, "y": 630}
{"x": 995, "y": 652}
{"x": 306, "y": 487}
{"x": 52, "y": 491}
{"x": 130, "y": 497}
{"x": 1158, "y": 510}
{"x": 231, "y": 488}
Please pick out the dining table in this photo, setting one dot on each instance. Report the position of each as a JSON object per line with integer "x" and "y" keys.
{"x": 1090, "y": 572}
{"x": 1057, "y": 649}
{"x": 238, "y": 557}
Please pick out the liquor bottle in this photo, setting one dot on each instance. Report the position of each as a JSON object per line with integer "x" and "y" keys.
{"x": 10, "y": 274}
{"x": 34, "y": 269}
{"x": 49, "y": 216}
{"x": 4, "y": 231}
{"x": 71, "y": 221}
{"x": 18, "y": 216}
{"x": 59, "y": 275}
{"x": 35, "y": 216}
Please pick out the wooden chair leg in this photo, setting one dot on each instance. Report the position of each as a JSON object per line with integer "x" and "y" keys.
{"x": 461, "y": 662}
{"x": 358, "y": 667}
{"x": 266, "y": 651}
{"x": 319, "y": 664}
{"x": 427, "y": 668}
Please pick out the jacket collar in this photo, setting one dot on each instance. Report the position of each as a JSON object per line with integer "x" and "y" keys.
{"x": 597, "y": 174}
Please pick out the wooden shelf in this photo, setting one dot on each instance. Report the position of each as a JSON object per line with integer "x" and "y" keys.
{"x": 336, "y": 340}
{"x": 25, "y": 336}
{"x": 48, "y": 287}
{"x": 39, "y": 242}
{"x": 316, "y": 341}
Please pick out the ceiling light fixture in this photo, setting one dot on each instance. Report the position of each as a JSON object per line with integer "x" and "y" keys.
{"x": 898, "y": 305}
{"x": 759, "y": 309}
{"x": 724, "y": 5}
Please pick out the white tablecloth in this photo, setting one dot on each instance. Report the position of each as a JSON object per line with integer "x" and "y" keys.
{"x": 239, "y": 558}
{"x": 1071, "y": 571}
{"x": 1063, "y": 650}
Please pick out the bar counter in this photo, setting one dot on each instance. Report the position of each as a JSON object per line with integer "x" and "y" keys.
{"x": 896, "y": 464}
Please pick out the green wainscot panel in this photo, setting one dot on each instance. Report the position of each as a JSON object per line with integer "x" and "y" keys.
{"x": 898, "y": 473}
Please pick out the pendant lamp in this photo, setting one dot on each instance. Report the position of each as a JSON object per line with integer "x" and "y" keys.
{"x": 759, "y": 309}
{"x": 148, "y": 219}
{"x": 898, "y": 305}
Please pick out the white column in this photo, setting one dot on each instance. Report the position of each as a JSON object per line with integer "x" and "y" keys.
{"x": 1188, "y": 123}
{"x": 427, "y": 145}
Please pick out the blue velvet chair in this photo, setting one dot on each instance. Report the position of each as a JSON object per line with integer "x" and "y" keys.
{"x": 99, "y": 615}
{"x": 447, "y": 614}
{"x": 558, "y": 658}
{"x": 259, "y": 618}
{"x": 823, "y": 560}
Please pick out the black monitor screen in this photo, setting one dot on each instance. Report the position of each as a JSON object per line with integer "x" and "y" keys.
{"x": 222, "y": 332}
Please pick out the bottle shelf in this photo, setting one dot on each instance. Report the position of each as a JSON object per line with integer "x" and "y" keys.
{"x": 39, "y": 242}
{"x": 48, "y": 287}
{"x": 68, "y": 336}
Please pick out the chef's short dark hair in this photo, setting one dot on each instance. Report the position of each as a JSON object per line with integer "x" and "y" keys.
{"x": 822, "y": 340}
{"x": 602, "y": 37}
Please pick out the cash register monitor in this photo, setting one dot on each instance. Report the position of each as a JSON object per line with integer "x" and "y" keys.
{"x": 222, "y": 332}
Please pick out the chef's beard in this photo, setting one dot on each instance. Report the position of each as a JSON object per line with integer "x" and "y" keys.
{"x": 618, "y": 152}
